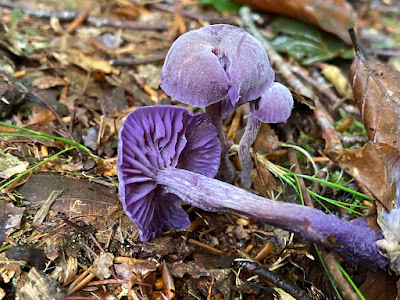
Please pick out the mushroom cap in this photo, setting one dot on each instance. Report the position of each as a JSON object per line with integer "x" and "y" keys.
{"x": 216, "y": 63}
{"x": 275, "y": 104}
{"x": 159, "y": 137}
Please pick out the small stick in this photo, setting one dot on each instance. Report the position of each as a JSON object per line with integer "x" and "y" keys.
{"x": 276, "y": 280}
{"x": 138, "y": 61}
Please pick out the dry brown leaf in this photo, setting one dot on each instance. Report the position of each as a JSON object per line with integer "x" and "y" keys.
{"x": 371, "y": 166}
{"x": 80, "y": 197}
{"x": 334, "y": 16}
{"x": 45, "y": 82}
{"x": 10, "y": 219}
{"x": 377, "y": 91}
{"x": 89, "y": 63}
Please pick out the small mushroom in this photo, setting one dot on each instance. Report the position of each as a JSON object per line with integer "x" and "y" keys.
{"x": 222, "y": 67}
{"x": 166, "y": 155}
{"x": 274, "y": 106}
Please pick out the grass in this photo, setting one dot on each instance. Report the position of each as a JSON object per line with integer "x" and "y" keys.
{"x": 36, "y": 134}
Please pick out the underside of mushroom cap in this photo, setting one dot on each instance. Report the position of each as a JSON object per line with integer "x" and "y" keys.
{"x": 216, "y": 63}
{"x": 159, "y": 137}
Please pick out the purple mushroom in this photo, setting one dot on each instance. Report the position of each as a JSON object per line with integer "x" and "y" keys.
{"x": 221, "y": 67}
{"x": 166, "y": 155}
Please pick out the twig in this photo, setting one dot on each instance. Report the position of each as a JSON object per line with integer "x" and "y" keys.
{"x": 275, "y": 279}
{"x": 138, "y": 61}
{"x": 344, "y": 286}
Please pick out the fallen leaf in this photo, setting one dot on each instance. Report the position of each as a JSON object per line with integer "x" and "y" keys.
{"x": 11, "y": 165}
{"x": 90, "y": 63}
{"x": 10, "y": 219}
{"x": 45, "y": 82}
{"x": 377, "y": 91}
{"x": 334, "y": 16}
{"x": 371, "y": 165}
{"x": 80, "y": 196}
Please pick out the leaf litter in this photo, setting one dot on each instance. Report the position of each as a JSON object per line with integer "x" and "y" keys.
{"x": 88, "y": 76}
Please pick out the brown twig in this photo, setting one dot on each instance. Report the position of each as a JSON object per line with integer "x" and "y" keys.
{"x": 276, "y": 280}
{"x": 344, "y": 286}
{"x": 138, "y": 61}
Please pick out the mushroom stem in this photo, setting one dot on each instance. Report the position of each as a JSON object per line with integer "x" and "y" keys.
{"x": 248, "y": 138}
{"x": 354, "y": 241}
{"x": 226, "y": 170}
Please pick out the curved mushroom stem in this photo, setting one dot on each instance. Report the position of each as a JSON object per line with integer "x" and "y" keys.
{"x": 248, "y": 138}
{"x": 355, "y": 242}
{"x": 226, "y": 170}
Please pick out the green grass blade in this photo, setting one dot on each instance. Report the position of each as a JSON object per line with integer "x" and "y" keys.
{"x": 35, "y": 166}
{"x": 351, "y": 282}
{"x": 36, "y": 134}
{"x": 333, "y": 185}
{"x": 327, "y": 273}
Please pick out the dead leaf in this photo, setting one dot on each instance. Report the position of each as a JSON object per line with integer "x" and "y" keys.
{"x": 80, "y": 197}
{"x": 89, "y": 63}
{"x": 9, "y": 268}
{"x": 339, "y": 81}
{"x": 379, "y": 285}
{"x": 10, "y": 219}
{"x": 11, "y": 165}
{"x": 40, "y": 286}
{"x": 377, "y": 91}
{"x": 371, "y": 165}
{"x": 334, "y": 16}
{"x": 46, "y": 82}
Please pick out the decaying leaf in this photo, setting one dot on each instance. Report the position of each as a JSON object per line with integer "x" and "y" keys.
{"x": 377, "y": 91}
{"x": 40, "y": 286}
{"x": 9, "y": 268}
{"x": 11, "y": 165}
{"x": 80, "y": 197}
{"x": 371, "y": 166}
{"x": 334, "y": 16}
{"x": 10, "y": 219}
{"x": 45, "y": 82}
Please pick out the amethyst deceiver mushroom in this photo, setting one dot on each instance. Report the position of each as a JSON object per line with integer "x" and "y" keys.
{"x": 166, "y": 155}
{"x": 221, "y": 67}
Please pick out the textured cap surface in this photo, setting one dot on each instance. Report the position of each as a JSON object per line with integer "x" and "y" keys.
{"x": 154, "y": 138}
{"x": 214, "y": 63}
{"x": 275, "y": 105}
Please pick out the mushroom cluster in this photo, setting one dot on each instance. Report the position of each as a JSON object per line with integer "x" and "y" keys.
{"x": 221, "y": 67}
{"x": 166, "y": 155}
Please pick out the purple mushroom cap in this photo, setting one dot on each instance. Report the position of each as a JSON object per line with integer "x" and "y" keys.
{"x": 155, "y": 138}
{"x": 275, "y": 104}
{"x": 216, "y": 63}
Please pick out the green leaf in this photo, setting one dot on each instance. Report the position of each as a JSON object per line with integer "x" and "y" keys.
{"x": 306, "y": 43}
{"x": 223, "y": 5}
